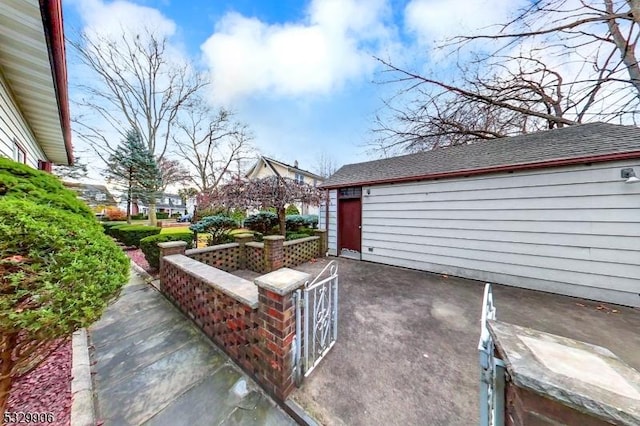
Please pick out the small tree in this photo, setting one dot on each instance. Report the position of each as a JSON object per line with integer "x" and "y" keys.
{"x": 134, "y": 168}
{"x": 272, "y": 191}
{"x": 292, "y": 209}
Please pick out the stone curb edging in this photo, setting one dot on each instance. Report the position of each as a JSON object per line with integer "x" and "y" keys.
{"x": 299, "y": 414}
{"x": 82, "y": 409}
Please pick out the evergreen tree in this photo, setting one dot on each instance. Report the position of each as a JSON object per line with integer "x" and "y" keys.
{"x": 133, "y": 167}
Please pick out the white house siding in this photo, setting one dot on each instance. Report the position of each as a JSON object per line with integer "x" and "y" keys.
{"x": 13, "y": 126}
{"x": 571, "y": 230}
{"x": 332, "y": 225}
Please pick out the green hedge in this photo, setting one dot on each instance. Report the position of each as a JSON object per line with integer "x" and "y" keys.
{"x": 160, "y": 215}
{"x": 20, "y": 182}
{"x": 108, "y": 225}
{"x": 294, "y": 236}
{"x": 149, "y": 245}
{"x": 63, "y": 259}
{"x": 130, "y": 235}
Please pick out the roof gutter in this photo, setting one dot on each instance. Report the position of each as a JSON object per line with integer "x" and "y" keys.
{"x": 496, "y": 169}
{"x": 54, "y": 33}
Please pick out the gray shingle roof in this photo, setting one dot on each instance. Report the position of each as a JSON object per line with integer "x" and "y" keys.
{"x": 568, "y": 143}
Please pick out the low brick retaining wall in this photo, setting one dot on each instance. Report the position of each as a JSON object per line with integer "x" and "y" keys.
{"x": 300, "y": 251}
{"x": 223, "y": 256}
{"x": 254, "y": 323}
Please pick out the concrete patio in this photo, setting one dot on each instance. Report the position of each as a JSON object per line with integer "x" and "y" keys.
{"x": 407, "y": 343}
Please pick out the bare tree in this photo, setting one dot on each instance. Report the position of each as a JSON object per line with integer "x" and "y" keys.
{"x": 139, "y": 84}
{"x": 555, "y": 65}
{"x": 326, "y": 165}
{"x": 212, "y": 143}
{"x": 171, "y": 172}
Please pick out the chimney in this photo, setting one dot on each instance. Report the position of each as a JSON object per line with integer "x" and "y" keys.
{"x": 295, "y": 164}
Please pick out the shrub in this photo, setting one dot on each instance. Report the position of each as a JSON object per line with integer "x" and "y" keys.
{"x": 18, "y": 181}
{"x": 295, "y": 236}
{"x": 294, "y": 222}
{"x": 114, "y": 214}
{"x": 217, "y": 227}
{"x": 161, "y": 215}
{"x": 57, "y": 273}
{"x": 149, "y": 245}
{"x": 176, "y": 215}
{"x": 130, "y": 235}
{"x": 311, "y": 220}
{"x": 139, "y": 216}
{"x": 261, "y": 222}
{"x": 214, "y": 211}
{"x": 291, "y": 209}
{"x": 238, "y": 215}
{"x": 106, "y": 226}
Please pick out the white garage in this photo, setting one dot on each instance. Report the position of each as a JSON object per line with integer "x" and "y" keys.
{"x": 556, "y": 211}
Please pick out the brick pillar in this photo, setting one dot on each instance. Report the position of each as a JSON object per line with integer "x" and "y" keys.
{"x": 167, "y": 249}
{"x": 322, "y": 243}
{"x": 277, "y": 328}
{"x": 243, "y": 239}
{"x": 273, "y": 252}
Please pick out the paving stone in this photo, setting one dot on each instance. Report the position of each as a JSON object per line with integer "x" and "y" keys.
{"x": 153, "y": 366}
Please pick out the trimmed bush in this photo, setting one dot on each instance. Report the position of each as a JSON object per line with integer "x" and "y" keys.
{"x": 294, "y": 236}
{"x": 139, "y": 216}
{"x": 130, "y": 235}
{"x": 115, "y": 214}
{"x": 149, "y": 245}
{"x": 161, "y": 215}
{"x": 294, "y": 222}
{"x": 108, "y": 225}
{"x": 261, "y": 222}
{"x": 291, "y": 209}
{"x": 311, "y": 220}
{"x": 217, "y": 227}
{"x": 18, "y": 181}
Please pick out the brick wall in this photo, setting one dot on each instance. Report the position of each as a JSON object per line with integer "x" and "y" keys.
{"x": 254, "y": 253}
{"x": 223, "y": 256}
{"x": 300, "y": 251}
{"x": 253, "y": 324}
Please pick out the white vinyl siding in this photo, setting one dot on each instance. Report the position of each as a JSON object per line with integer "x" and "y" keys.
{"x": 332, "y": 226}
{"x": 13, "y": 127}
{"x": 570, "y": 230}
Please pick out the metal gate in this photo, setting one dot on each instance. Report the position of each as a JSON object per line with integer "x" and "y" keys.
{"x": 492, "y": 370}
{"x": 316, "y": 320}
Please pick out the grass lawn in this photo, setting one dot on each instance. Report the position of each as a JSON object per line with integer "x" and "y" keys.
{"x": 176, "y": 229}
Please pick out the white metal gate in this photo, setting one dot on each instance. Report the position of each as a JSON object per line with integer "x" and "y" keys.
{"x": 492, "y": 370}
{"x": 316, "y": 320}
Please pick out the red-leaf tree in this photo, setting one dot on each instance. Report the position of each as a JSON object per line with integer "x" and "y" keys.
{"x": 272, "y": 191}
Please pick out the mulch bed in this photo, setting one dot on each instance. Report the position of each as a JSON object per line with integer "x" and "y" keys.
{"x": 137, "y": 256}
{"x": 47, "y": 389}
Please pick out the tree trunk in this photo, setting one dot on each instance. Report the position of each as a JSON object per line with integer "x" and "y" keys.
{"x": 282, "y": 217}
{"x": 153, "y": 220}
{"x": 129, "y": 206}
{"x": 6, "y": 365}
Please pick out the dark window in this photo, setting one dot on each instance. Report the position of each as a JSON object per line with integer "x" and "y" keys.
{"x": 352, "y": 192}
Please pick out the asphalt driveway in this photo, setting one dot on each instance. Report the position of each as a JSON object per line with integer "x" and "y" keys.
{"x": 407, "y": 343}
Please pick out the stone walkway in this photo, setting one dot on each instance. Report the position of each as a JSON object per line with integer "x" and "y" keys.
{"x": 154, "y": 367}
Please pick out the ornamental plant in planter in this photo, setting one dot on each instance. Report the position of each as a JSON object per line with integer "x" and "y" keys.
{"x": 57, "y": 268}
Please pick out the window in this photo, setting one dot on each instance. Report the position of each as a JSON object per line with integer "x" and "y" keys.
{"x": 353, "y": 192}
{"x": 19, "y": 153}
{"x": 299, "y": 178}
{"x": 100, "y": 196}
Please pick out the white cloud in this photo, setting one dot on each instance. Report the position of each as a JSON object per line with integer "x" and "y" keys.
{"x": 332, "y": 46}
{"x": 110, "y": 19}
{"x": 435, "y": 20}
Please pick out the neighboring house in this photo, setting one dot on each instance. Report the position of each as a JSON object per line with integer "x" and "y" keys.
{"x": 165, "y": 203}
{"x": 552, "y": 211}
{"x": 266, "y": 167}
{"x": 97, "y": 197}
{"x": 34, "y": 107}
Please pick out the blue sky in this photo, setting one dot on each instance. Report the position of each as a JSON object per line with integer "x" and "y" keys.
{"x": 300, "y": 73}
